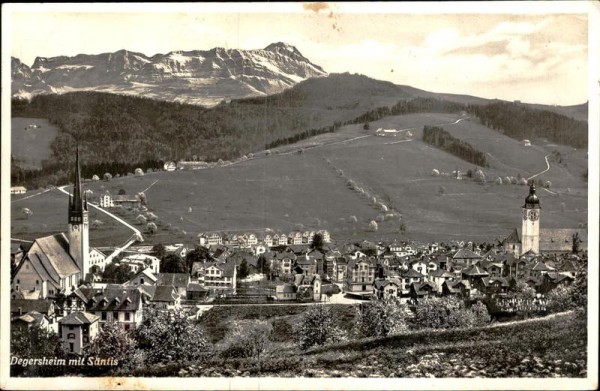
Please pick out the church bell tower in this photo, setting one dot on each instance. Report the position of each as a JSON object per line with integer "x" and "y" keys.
{"x": 78, "y": 234}
{"x": 530, "y": 239}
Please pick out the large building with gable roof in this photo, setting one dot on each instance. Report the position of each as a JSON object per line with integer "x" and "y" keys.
{"x": 57, "y": 263}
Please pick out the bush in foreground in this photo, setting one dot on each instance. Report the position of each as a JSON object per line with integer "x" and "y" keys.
{"x": 317, "y": 326}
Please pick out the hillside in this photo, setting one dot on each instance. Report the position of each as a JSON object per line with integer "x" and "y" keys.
{"x": 203, "y": 77}
{"x": 145, "y": 132}
{"x": 307, "y": 185}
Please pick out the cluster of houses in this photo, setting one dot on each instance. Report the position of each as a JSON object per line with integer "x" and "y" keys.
{"x": 261, "y": 244}
{"x": 126, "y": 201}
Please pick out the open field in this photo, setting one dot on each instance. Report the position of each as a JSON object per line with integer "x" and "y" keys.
{"x": 50, "y": 217}
{"x": 31, "y": 145}
{"x": 288, "y": 190}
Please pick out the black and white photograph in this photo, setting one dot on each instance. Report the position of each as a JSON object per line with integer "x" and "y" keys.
{"x": 302, "y": 195}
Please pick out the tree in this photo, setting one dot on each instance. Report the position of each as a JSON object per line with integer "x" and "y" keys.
{"x": 170, "y": 336}
{"x": 263, "y": 265}
{"x": 26, "y": 212}
{"x": 247, "y": 338}
{"x": 449, "y": 312}
{"x": 141, "y": 220}
{"x": 380, "y": 318}
{"x": 122, "y": 191}
{"x": 139, "y": 172}
{"x": 576, "y": 242}
{"x": 35, "y": 342}
{"x": 97, "y": 223}
{"x": 442, "y": 190}
{"x": 317, "y": 241}
{"x": 366, "y": 126}
{"x": 112, "y": 341}
{"x": 373, "y": 226}
{"x": 151, "y": 228}
{"x": 159, "y": 251}
{"x": 317, "y": 327}
{"x": 198, "y": 254}
{"x": 243, "y": 271}
{"x": 107, "y": 176}
{"x": 116, "y": 274}
{"x": 95, "y": 178}
{"x": 142, "y": 197}
{"x": 172, "y": 263}
{"x": 560, "y": 299}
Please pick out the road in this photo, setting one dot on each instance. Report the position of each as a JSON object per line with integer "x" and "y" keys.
{"x": 546, "y": 170}
{"x": 31, "y": 196}
{"x": 136, "y": 233}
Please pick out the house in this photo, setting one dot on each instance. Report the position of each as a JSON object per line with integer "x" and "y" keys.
{"x": 268, "y": 241}
{"x": 177, "y": 249}
{"x": 47, "y": 269}
{"x": 106, "y": 200}
{"x": 420, "y": 266}
{"x": 196, "y": 292}
{"x": 466, "y": 257}
{"x": 111, "y": 304}
{"x": 221, "y": 276}
{"x": 164, "y": 296}
{"x": 306, "y": 265}
{"x": 29, "y": 320}
{"x": 360, "y": 276}
{"x": 47, "y": 308}
{"x": 18, "y": 190}
{"x": 308, "y": 287}
{"x": 419, "y": 291}
{"x": 139, "y": 262}
{"x": 98, "y": 259}
{"x": 126, "y": 201}
{"x": 143, "y": 277}
{"x": 179, "y": 281}
{"x": 170, "y": 166}
{"x": 77, "y": 330}
{"x": 285, "y": 292}
{"x": 411, "y": 276}
{"x": 384, "y": 288}
{"x": 438, "y": 277}
{"x": 340, "y": 269}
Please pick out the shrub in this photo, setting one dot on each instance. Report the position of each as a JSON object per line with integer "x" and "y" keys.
{"x": 247, "y": 338}
{"x": 107, "y": 176}
{"x": 449, "y": 312}
{"x": 373, "y": 226}
{"x": 151, "y": 228}
{"x": 317, "y": 327}
{"x": 380, "y": 218}
{"x": 498, "y": 181}
{"x": 547, "y": 184}
{"x": 560, "y": 299}
{"x": 141, "y": 220}
{"x": 95, "y": 178}
{"x": 435, "y": 172}
{"x": 352, "y": 219}
{"x": 380, "y": 318}
{"x": 139, "y": 172}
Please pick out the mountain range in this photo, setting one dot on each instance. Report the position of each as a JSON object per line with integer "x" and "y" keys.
{"x": 204, "y": 77}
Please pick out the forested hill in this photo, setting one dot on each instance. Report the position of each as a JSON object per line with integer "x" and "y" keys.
{"x": 129, "y": 130}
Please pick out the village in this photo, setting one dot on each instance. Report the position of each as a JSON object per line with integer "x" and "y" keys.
{"x": 62, "y": 285}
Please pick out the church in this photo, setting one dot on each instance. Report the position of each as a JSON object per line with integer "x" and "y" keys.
{"x": 538, "y": 241}
{"x": 57, "y": 263}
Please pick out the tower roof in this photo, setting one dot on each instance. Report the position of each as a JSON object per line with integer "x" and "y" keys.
{"x": 76, "y": 204}
{"x": 532, "y": 200}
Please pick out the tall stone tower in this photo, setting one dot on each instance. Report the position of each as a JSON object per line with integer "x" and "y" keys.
{"x": 79, "y": 246}
{"x": 530, "y": 238}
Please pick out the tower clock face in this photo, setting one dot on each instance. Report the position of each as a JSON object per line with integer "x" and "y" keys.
{"x": 534, "y": 215}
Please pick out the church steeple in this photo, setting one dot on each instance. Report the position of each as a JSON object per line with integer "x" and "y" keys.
{"x": 76, "y": 204}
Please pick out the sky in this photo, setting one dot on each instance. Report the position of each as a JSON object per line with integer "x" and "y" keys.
{"x": 538, "y": 57}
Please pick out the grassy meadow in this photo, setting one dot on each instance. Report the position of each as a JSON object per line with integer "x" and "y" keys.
{"x": 30, "y": 146}
{"x": 300, "y": 187}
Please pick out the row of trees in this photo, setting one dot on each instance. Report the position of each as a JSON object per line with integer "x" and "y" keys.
{"x": 303, "y": 135}
{"x": 443, "y": 140}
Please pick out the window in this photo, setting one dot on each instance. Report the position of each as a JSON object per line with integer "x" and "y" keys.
{"x": 71, "y": 336}
{"x": 71, "y": 347}
{"x": 71, "y": 327}
{"x": 86, "y": 339}
{"x": 127, "y": 316}
{"x": 104, "y": 316}
{"x": 126, "y": 327}
{"x": 115, "y": 316}
{"x": 18, "y": 281}
{"x": 142, "y": 281}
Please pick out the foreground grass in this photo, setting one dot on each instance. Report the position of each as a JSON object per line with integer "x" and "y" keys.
{"x": 554, "y": 346}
